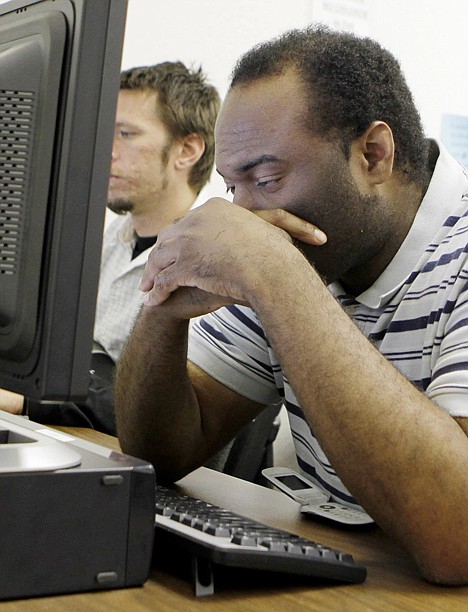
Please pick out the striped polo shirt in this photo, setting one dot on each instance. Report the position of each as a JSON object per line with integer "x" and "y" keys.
{"x": 416, "y": 314}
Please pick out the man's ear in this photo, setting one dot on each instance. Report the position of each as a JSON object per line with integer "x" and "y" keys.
{"x": 374, "y": 153}
{"x": 191, "y": 148}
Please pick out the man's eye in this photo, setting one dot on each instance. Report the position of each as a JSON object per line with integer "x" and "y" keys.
{"x": 267, "y": 182}
{"x": 126, "y": 134}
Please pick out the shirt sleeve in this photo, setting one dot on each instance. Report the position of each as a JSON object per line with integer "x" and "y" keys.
{"x": 230, "y": 346}
{"x": 449, "y": 383}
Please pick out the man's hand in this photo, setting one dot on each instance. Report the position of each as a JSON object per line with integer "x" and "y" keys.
{"x": 11, "y": 402}
{"x": 221, "y": 249}
{"x": 294, "y": 226}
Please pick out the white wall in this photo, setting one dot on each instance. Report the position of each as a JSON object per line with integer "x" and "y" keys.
{"x": 428, "y": 37}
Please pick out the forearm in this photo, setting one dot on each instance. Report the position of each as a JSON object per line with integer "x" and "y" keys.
{"x": 400, "y": 455}
{"x": 156, "y": 409}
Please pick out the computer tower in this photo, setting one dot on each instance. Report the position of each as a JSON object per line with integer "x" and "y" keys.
{"x": 75, "y": 516}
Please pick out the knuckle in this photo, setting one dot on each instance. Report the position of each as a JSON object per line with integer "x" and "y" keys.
{"x": 280, "y": 214}
{"x": 162, "y": 281}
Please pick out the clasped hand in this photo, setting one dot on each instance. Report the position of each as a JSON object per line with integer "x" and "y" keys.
{"x": 222, "y": 250}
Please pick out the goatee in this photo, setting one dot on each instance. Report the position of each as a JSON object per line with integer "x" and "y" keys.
{"x": 120, "y": 207}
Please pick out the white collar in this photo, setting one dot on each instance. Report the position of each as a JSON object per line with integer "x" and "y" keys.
{"x": 448, "y": 183}
{"x": 126, "y": 233}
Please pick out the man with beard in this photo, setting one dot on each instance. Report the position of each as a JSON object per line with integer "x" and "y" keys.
{"x": 162, "y": 156}
{"x": 336, "y": 282}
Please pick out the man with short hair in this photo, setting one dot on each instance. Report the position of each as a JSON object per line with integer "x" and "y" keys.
{"x": 162, "y": 157}
{"x": 163, "y": 154}
{"x": 336, "y": 281}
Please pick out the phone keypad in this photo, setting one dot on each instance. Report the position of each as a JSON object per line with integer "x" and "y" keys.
{"x": 339, "y": 513}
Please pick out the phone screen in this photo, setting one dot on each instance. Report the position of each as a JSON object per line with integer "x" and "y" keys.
{"x": 293, "y": 482}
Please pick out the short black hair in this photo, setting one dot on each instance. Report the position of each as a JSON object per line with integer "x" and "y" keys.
{"x": 353, "y": 81}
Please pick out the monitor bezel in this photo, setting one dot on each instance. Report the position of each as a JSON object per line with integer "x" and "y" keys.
{"x": 57, "y": 366}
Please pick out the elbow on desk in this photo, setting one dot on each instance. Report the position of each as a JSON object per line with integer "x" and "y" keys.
{"x": 441, "y": 549}
{"x": 167, "y": 476}
{"x": 167, "y": 470}
{"x": 446, "y": 567}
{"x": 442, "y": 577}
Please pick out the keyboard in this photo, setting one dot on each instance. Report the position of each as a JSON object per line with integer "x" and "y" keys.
{"x": 216, "y": 536}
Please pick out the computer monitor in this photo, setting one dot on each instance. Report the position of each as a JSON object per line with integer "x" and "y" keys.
{"x": 59, "y": 80}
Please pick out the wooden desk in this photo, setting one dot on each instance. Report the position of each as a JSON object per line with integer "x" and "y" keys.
{"x": 392, "y": 584}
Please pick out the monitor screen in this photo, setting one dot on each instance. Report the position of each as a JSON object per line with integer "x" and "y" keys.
{"x": 59, "y": 80}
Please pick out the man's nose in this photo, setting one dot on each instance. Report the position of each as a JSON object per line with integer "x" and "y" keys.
{"x": 114, "y": 153}
{"x": 242, "y": 197}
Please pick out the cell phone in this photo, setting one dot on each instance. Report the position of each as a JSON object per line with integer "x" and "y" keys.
{"x": 295, "y": 485}
{"x": 313, "y": 499}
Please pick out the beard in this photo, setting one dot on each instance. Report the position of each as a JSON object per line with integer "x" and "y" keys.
{"x": 358, "y": 226}
{"x": 121, "y": 207}
{"x": 348, "y": 246}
